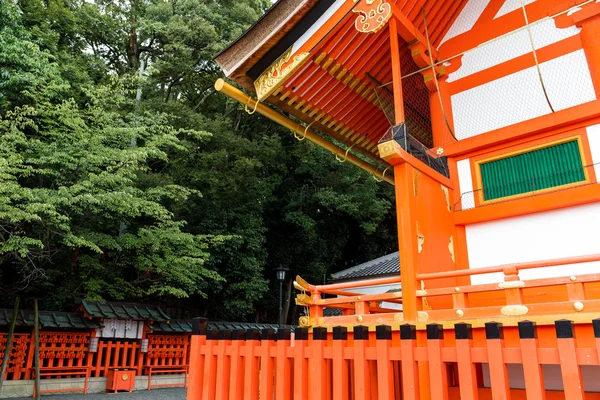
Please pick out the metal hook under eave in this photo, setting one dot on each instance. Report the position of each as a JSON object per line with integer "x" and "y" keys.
{"x": 301, "y": 138}
{"x": 255, "y": 106}
{"x": 382, "y": 176}
{"x": 343, "y": 160}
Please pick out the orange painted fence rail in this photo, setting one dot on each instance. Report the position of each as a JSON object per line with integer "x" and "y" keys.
{"x": 398, "y": 362}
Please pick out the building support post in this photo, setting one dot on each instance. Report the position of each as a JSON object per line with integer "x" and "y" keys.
{"x": 590, "y": 34}
{"x": 396, "y": 72}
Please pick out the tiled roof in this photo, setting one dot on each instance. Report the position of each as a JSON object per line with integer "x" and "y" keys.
{"x": 332, "y": 312}
{"x": 49, "y": 319}
{"x": 183, "y": 325}
{"x": 382, "y": 266}
{"x": 140, "y": 312}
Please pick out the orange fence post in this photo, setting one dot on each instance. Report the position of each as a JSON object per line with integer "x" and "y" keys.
{"x": 236, "y": 384}
{"x": 266, "y": 364}
{"x": 196, "y": 366}
{"x": 467, "y": 375}
{"x": 410, "y": 369}
{"x": 223, "y": 365}
{"x": 569, "y": 368}
{"x": 300, "y": 364}
{"x": 340, "y": 365}
{"x": 438, "y": 374}
{"x": 251, "y": 365}
{"x": 209, "y": 381}
{"x": 532, "y": 369}
{"x": 385, "y": 381}
{"x": 494, "y": 334}
{"x": 282, "y": 366}
{"x": 316, "y": 375}
{"x": 362, "y": 387}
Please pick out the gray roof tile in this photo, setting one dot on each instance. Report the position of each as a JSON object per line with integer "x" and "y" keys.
{"x": 386, "y": 265}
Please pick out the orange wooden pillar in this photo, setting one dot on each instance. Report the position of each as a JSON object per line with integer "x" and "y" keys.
{"x": 209, "y": 382}
{"x": 467, "y": 375}
{"x": 494, "y": 333}
{"x": 362, "y": 382}
{"x": 410, "y": 368}
{"x": 532, "y": 369}
{"x": 317, "y": 379}
{"x": 340, "y": 364}
{"x": 251, "y": 364}
{"x": 441, "y": 117}
{"x": 196, "y": 363}
{"x": 438, "y": 373}
{"x": 236, "y": 384}
{"x": 569, "y": 368}
{"x": 282, "y": 365}
{"x": 223, "y": 365}
{"x": 300, "y": 364}
{"x": 266, "y": 364}
{"x": 385, "y": 380}
{"x": 596, "y": 324}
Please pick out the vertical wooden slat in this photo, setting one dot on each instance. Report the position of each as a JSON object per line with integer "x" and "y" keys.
{"x": 223, "y": 365}
{"x": 266, "y": 364}
{"x": 340, "y": 365}
{"x": 569, "y": 368}
{"x": 385, "y": 381}
{"x": 196, "y": 367}
{"x": 410, "y": 370}
{"x": 467, "y": 375}
{"x": 236, "y": 385}
{"x": 494, "y": 333}
{"x": 251, "y": 365}
{"x": 210, "y": 367}
{"x": 438, "y": 374}
{"x": 316, "y": 376}
{"x": 282, "y": 365}
{"x": 300, "y": 364}
{"x": 596, "y": 324}
{"x": 362, "y": 382}
{"x": 532, "y": 369}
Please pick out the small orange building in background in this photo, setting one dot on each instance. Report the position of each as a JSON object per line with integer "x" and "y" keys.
{"x": 485, "y": 116}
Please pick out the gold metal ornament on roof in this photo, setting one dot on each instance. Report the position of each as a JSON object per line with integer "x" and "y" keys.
{"x": 277, "y": 73}
{"x": 374, "y": 14}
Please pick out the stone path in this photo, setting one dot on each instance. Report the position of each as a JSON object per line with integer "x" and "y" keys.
{"x": 155, "y": 394}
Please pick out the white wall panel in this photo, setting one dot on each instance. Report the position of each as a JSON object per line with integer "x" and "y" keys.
{"x": 593, "y": 133}
{"x": 466, "y": 19}
{"x": 510, "y": 6}
{"x": 465, "y": 181}
{"x": 548, "y": 235}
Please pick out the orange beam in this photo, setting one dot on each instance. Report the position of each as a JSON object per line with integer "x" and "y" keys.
{"x": 396, "y": 72}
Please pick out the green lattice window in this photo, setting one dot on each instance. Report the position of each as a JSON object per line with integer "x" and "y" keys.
{"x": 532, "y": 171}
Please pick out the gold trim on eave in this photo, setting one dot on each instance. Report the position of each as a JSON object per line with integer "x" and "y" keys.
{"x": 277, "y": 73}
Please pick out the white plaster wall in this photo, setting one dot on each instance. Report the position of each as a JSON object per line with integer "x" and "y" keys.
{"x": 379, "y": 290}
{"x": 548, "y": 235}
{"x": 465, "y": 181}
{"x": 519, "y": 97}
{"x": 593, "y": 133}
{"x": 466, "y": 19}
{"x": 510, "y": 6}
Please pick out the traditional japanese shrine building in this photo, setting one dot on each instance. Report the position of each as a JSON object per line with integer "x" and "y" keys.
{"x": 485, "y": 116}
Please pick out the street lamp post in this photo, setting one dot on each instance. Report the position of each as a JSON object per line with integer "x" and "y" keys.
{"x": 281, "y": 277}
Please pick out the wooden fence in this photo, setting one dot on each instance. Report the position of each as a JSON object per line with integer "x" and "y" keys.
{"x": 62, "y": 351}
{"x": 399, "y": 362}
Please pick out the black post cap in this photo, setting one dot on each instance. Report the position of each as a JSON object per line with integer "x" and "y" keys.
{"x": 268, "y": 334}
{"x": 238, "y": 334}
{"x": 225, "y": 334}
{"x": 252, "y": 334}
{"x": 408, "y": 332}
{"x": 463, "y": 331}
{"x": 212, "y": 334}
{"x": 284, "y": 334}
{"x": 564, "y": 329}
{"x": 383, "y": 332}
{"x": 435, "y": 331}
{"x": 361, "y": 332}
{"x": 199, "y": 326}
{"x": 527, "y": 330}
{"x": 320, "y": 333}
{"x": 301, "y": 334}
{"x": 494, "y": 330}
{"x": 340, "y": 333}
{"x": 596, "y": 324}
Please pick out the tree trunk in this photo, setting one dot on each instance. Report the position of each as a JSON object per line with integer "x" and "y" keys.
{"x": 133, "y": 47}
{"x": 9, "y": 340}
{"x": 36, "y": 340}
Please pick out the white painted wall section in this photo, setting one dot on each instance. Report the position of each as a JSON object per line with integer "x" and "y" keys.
{"x": 593, "y": 133}
{"x": 465, "y": 181}
{"x": 510, "y": 6}
{"x": 542, "y": 236}
{"x": 379, "y": 290}
{"x": 520, "y": 97}
{"x": 466, "y": 19}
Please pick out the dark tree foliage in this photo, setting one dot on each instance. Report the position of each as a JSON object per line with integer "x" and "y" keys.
{"x": 124, "y": 176}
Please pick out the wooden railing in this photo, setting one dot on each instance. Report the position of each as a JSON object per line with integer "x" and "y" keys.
{"x": 510, "y": 298}
{"x": 400, "y": 361}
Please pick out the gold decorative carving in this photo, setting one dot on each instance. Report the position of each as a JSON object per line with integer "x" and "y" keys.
{"x": 451, "y": 248}
{"x": 460, "y": 313}
{"x": 359, "y": 318}
{"x": 511, "y": 311}
{"x": 277, "y": 73}
{"x": 578, "y": 306}
{"x": 304, "y": 321}
{"x": 511, "y": 284}
{"x": 421, "y": 293}
{"x": 374, "y": 14}
{"x": 447, "y": 195}
{"x": 422, "y": 316}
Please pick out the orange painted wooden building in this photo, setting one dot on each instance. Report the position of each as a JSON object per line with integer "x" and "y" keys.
{"x": 485, "y": 116}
